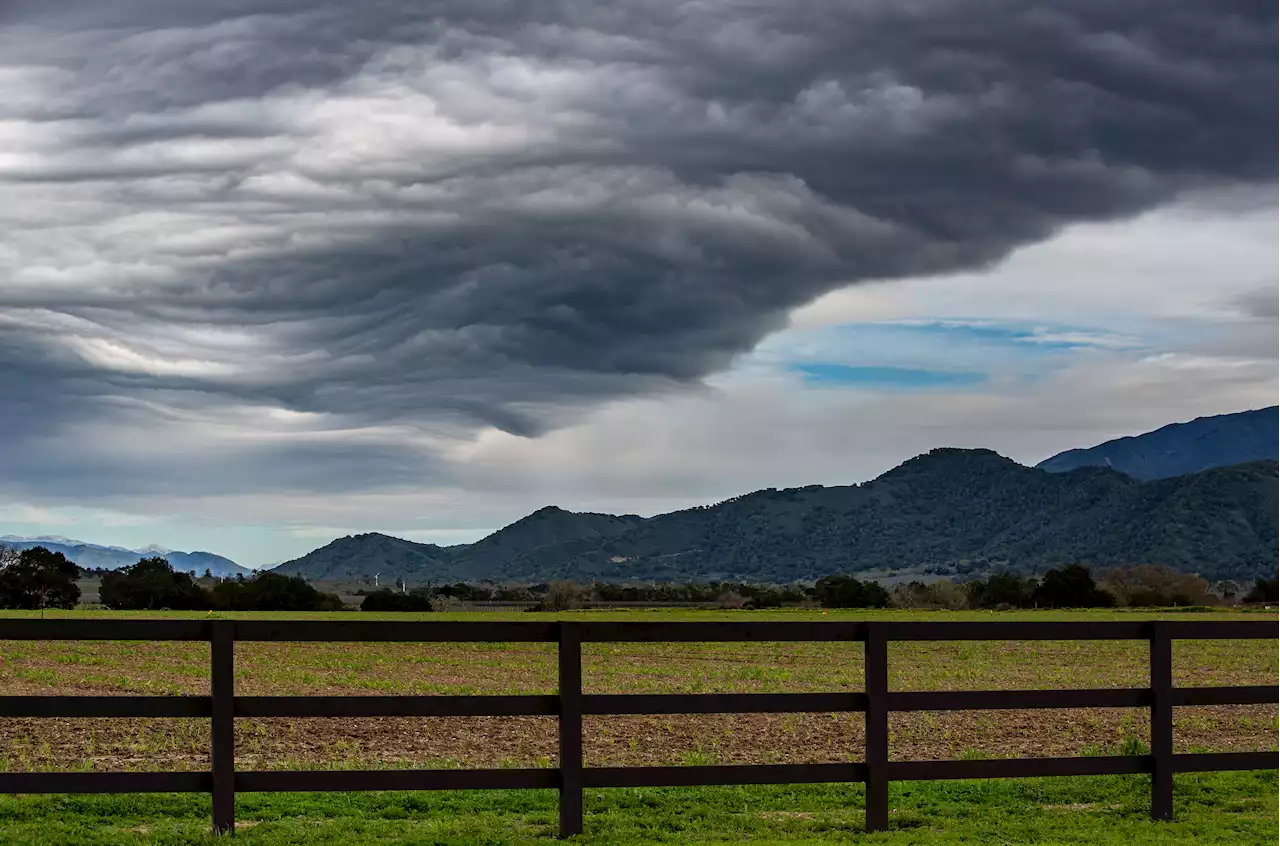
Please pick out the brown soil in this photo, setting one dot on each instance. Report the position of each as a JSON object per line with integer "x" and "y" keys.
{"x": 120, "y": 744}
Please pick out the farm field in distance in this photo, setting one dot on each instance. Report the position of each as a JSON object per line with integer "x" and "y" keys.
{"x": 792, "y": 814}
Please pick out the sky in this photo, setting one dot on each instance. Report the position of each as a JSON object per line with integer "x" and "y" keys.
{"x": 272, "y": 271}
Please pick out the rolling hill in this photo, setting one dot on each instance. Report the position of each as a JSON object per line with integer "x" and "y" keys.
{"x": 950, "y": 511}
{"x": 362, "y": 556}
{"x": 1181, "y": 448}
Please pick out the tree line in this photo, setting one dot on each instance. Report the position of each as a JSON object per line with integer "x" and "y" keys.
{"x": 38, "y": 578}
{"x": 1071, "y": 586}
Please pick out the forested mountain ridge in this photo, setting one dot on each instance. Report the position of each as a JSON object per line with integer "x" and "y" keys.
{"x": 945, "y": 512}
{"x": 1181, "y": 448}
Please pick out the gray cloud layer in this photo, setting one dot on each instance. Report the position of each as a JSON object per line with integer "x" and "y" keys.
{"x": 491, "y": 213}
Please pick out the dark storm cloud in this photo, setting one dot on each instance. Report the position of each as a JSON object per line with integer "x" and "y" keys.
{"x": 488, "y": 213}
{"x": 1262, "y": 304}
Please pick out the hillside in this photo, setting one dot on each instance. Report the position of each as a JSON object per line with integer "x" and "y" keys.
{"x": 95, "y": 556}
{"x": 362, "y": 556}
{"x": 948, "y": 511}
{"x": 546, "y": 527}
{"x": 1181, "y": 448}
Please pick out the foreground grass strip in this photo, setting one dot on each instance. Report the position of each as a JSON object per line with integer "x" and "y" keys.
{"x": 1220, "y": 808}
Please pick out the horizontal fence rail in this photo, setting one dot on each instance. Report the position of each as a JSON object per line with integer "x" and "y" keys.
{"x": 569, "y": 704}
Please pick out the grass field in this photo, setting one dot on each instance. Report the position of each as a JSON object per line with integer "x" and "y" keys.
{"x": 1229, "y": 808}
{"x": 809, "y": 814}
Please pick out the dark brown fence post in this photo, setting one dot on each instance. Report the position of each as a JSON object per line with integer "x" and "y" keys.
{"x": 570, "y": 689}
{"x": 876, "y": 683}
{"x": 1161, "y": 722}
{"x": 223, "y": 747}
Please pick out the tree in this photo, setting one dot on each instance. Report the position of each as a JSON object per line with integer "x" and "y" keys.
{"x": 942, "y": 594}
{"x": 1228, "y": 590}
{"x": 1154, "y": 585}
{"x": 37, "y": 578}
{"x": 848, "y": 592}
{"x": 731, "y": 600}
{"x": 389, "y": 600}
{"x": 1002, "y": 590}
{"x": 268, "y": 591}
{"x": 1071, "y": 587}
{"x": 561, "y": 596}
{"x": 1264, "y": 590}
{"x": 151, "y": 584}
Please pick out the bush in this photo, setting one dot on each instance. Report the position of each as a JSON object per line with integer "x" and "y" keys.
{"x": 388, "y": 600}
{"x": 149, "y": 585}
{"x": 37, "y": 578}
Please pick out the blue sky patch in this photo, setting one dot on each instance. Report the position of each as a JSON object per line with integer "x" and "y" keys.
{"x": 921, "y": 354}
{"x": 827, "y": 373}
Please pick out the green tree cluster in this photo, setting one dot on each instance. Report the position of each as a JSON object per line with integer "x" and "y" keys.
{"x": 37, "y": 578}
{"x": 1071, "y": 586}
{"x": 390, "y": 600}
{"x": 272, "y": 592}
{"x": 848, "y": 592}
{"x": 152, "y": 584}
{"x": 149, "y": 585}
{"x": 1264, "y": 590}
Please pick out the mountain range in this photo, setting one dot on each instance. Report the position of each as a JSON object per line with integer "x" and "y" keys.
{"x": 1200, "y": 496}
{"x": 95, "y": 556}
{"x": 948, "y": 512}
{"x": 1181, "y": 448}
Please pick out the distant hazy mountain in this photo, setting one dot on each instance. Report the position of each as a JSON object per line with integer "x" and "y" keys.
{"x": 1181, "y": 448}
{"x": 95, "y": 556}
{"x": 949, "y": 511}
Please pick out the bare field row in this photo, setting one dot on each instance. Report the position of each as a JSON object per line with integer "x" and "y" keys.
{"x": 116, "y": 668}
{"x": 182, "y": 744}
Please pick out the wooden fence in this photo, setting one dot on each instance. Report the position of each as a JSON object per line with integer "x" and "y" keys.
{"x": 222, "y": 706}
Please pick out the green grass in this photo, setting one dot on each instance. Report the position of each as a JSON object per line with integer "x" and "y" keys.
{"x": 1223, "y": 808}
